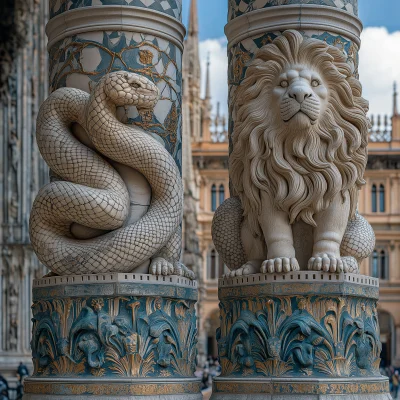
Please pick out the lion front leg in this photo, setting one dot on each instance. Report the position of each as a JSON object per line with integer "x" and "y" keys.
{"x": 278, "y": 237}
{"x": 328, "y": 235}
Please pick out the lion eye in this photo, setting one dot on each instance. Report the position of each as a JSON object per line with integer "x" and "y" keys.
{"x": 315, "y": 83}
{"x": 284, "y": 84}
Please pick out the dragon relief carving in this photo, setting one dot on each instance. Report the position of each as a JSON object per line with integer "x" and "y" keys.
{"x": 299, "y": 154}
{"x": 117, "y": 199}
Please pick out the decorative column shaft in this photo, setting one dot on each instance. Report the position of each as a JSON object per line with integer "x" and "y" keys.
{"x": 90, "y": 39}
{"x": 297, "y": 321}
{"x": 116, "y": 317}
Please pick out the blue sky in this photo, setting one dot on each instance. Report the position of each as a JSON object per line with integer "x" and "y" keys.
{"x": 212, "y": 22}
{"x": 379, "y": 54}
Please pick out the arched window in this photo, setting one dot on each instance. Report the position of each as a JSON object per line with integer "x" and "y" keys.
{"x": 221, "y": 194}
{"x": 213, "y": 264}
{"x": 383, "y": 265}
{"x": 380, "y": 264}
{"x": 374, "y": 199}
{"x": 375, "y": 264}
{"x": 382, "y": 198}
{"x": 213, "y": 198}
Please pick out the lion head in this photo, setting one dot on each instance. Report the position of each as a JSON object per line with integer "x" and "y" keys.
{"x": 300, "y": 129}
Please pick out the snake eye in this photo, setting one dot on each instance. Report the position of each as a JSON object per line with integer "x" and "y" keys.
{"x": 315, "y": 83}
{"x": 135, "y": 85}
{"x": 284, "y": 84}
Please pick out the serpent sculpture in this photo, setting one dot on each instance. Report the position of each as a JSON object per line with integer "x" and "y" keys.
{"x": 90, "y": 193}
{"x": 299, "y": 154}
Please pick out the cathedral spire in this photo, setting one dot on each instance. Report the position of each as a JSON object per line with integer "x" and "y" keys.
{"x": 193, "y": 19}
{"x": 208, "y": 84}
{"x": 395, "y": 94}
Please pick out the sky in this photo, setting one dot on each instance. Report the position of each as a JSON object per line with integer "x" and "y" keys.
{"x": 379, "y": 54}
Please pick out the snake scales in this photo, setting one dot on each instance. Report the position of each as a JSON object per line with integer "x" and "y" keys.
{"x": 92, "y": 193}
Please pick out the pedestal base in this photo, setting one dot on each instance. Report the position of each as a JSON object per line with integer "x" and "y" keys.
{"x": 115, "y": 389}
{"x": 117, "y": 336}
{"x": 300, "y": 389}
{"x": 299, "y": 336}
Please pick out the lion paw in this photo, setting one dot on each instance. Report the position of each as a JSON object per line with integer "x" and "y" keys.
{"x": 328, "y": 263}
{"x": 279, "y": 264}
{"x": 251, "y": 267}
{"x": 160, "y": 266}
{"x": 182, "y": 270}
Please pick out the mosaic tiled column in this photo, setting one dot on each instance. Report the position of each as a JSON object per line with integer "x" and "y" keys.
{"x": 131, "y": 335}
{"x": 303, "y": 335}
{"x": 92, "y": 38}
{"x": 252, "y": 24}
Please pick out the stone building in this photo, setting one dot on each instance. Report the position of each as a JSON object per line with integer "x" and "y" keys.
{"x": 23, "y": 87}
{"x": 379, "y": 202}
{"x": 209, "y": 183}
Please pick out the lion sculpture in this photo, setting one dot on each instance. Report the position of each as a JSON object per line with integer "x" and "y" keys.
{"x": 299, "y": 154}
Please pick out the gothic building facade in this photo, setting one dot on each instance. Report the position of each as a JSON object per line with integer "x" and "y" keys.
{"x": 379, "y": 202}
{"x": 23, "y": 87}
{"x": 206, "y": 132}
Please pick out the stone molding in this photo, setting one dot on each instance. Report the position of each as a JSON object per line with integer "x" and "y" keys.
{"x": 115, "y": 18}
{"x": 305, "y": 386}
{"x": 67, "y": 287}
{"x": 117, "y": 387}
{"x": 299, "y": 277}
{"x": 114, "y": 278}
{"x": 299, "y": 17}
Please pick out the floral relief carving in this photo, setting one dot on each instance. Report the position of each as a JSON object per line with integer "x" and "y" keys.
{"x": 120, "y": 337}
{"x": 296, "y": 336}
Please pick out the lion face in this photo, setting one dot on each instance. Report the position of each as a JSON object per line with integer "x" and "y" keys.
{"x": 301, "y": 96}
{"x": 300, "y": 129}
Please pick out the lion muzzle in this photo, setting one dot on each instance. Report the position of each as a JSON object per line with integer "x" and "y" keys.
{"x": 300, "y": 98}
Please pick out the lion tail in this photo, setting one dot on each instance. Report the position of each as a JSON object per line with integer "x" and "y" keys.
{"x": 226, "y": 233}
{"x": 358, "y": 240}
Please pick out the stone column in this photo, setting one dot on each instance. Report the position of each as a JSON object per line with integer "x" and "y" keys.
{"x": 297, "y": 319}
{"x": 111, "y": 322}
{"x": 90, "y": 39}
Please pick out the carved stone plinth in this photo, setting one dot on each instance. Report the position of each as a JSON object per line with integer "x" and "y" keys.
{"x": 114, "y": 336}
{"x": 303, "y": 335}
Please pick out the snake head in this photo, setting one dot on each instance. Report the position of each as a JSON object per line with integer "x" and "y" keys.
{"x": 127, "y": 88}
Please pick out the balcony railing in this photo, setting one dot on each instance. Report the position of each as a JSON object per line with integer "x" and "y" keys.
{"x": 381, "y": 130}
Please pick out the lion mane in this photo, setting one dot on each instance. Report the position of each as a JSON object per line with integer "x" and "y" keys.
{"x": 302, "y": 173}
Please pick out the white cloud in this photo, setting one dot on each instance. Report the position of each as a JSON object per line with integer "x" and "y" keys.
{"x": 379, "y": 68}
{"x": 218, "y": 72}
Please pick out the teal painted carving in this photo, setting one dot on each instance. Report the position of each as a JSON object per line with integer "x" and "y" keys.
{"x": 240, "y": 7}
{"x": 172, "y": 8}
{"x": 315, "y": 336}
{"x": 114, "y": 337}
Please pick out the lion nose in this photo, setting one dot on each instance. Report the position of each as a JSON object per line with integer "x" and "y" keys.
{"x": 299, "y": 93}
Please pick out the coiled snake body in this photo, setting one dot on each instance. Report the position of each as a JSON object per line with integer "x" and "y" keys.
{"x": 93, "y": 194}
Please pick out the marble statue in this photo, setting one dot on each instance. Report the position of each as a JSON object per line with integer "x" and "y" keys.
{"x": 86, "y": 221}
{"x": 299, "y": 153}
